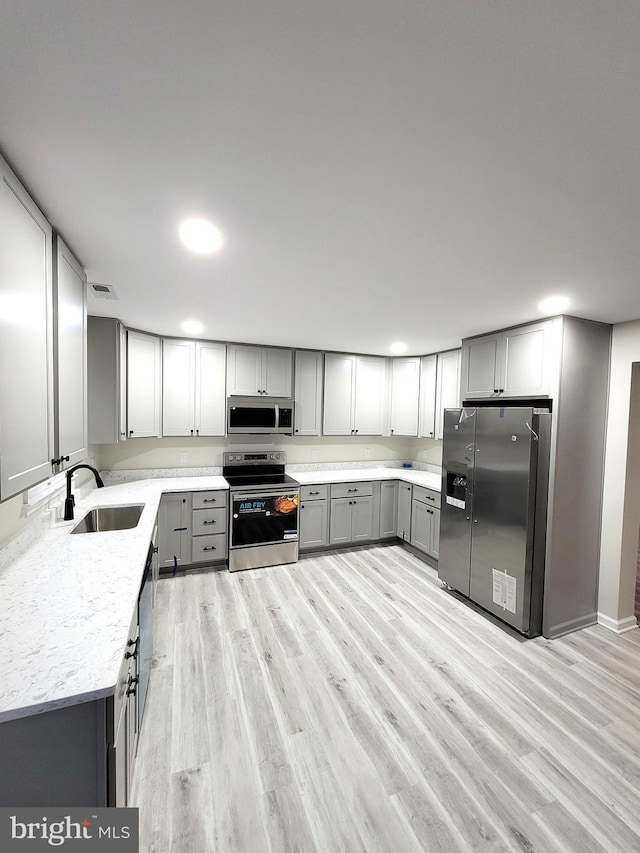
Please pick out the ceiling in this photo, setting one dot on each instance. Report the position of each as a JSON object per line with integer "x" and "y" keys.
{"x": 418, "y": 171}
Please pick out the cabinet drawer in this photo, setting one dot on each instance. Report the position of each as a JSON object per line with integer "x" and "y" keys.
{"x": 209, "y": 548}
{"x": 209, "y": 521}
{"x": 351, "y": 490}
{"x": 314, "y": 493}
{"x": 427, "y": 496}
{"x": 206, "y": 500}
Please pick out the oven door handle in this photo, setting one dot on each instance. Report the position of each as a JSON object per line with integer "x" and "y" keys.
{"x": 251, "y": 496}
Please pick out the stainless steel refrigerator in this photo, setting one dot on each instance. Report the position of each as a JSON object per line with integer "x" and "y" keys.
{"x": 495, "y": 470}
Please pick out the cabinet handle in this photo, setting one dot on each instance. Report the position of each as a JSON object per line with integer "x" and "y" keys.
{"x": 209, "y": 500}
{"x": 209, "y": 548}
{"x": 179, "y": 529}
{"x": 130, "y": 432}
{"x": 191, "y": 432}
{"x": 197, "y": 432}
{"x": 208, "y": 522}
{"x": 352, "y": 490}
{"x": 131, "y": 689}
{"x": 502, "y": 390}
{"x": 430, "y": 499}
{"x": 314, "y": 493}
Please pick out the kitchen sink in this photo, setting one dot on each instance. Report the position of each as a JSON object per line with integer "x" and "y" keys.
{"x": 103, "y": 518}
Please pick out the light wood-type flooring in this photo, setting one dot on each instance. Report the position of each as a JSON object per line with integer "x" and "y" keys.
{"x": 349, "y": 703}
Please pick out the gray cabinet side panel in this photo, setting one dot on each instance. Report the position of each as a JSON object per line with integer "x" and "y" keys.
{"x": 576, "y": 472}
{"x": 57, "y": 758}
{"x": 103, "y": 379}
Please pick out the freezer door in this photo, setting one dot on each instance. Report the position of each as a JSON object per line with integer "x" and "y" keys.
{"x": 503, "y": 513}
{"x": 457, "y": 495}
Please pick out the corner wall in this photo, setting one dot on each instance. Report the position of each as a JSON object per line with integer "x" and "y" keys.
{"x": 621, "y": 491}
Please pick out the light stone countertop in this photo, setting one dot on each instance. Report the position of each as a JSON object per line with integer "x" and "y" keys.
{"x": 359, "y": 475}
{"x": 67, "y": 602}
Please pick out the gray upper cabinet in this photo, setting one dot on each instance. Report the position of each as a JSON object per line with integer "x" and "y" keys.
{"x": 71, "y": 357}
{"x": 354, "y": 395}
{"x": 107, "y": 373}
{"x": 447, "y": 386}
{"x": 193, "y": 388}
{"x": 513, "y": 363}
{"x": 427, "y": 420}
{"x": 405, "y": 393}
{"x": 26, "y": 339}
{"x": 144, "y": 390}
{"x": 308, "y": 393}
{"x": 259, "y": 371}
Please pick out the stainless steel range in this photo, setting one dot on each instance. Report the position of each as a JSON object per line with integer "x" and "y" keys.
{"x": 263, "y": 510}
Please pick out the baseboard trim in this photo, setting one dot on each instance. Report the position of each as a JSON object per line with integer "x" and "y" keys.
{"x": 618, "y": 626}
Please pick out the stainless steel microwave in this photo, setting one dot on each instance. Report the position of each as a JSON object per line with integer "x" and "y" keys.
{"x": 259, "y": 416}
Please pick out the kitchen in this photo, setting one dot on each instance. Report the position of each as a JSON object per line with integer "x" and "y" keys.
{"x": 620, "y": 494}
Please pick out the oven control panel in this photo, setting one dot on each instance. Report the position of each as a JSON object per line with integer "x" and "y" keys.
{"x": 264, "y": 457}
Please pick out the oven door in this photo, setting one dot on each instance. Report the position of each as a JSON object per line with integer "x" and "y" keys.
{"x": 263, "y": 518}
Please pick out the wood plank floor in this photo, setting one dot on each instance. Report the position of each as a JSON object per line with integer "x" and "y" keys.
{"x": 349, "y": 703}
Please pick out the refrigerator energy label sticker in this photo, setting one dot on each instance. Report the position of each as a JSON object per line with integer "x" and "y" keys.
{"x": 504, "y": 590}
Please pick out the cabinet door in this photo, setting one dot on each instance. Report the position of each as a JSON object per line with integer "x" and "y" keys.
{"x": 482, "y": 360}
{"x": 174, "y": 530}
{"x": 210, "y": 391}
{"x": 361, "y": 519}
{"x": 435, "y": 532}
{"x": 26, "y": 365}
{"x": 388, "y": 509}
{"x": 421, "y": 526}
{"x": 143, "y": 385}
{"x": 428, "y": 373}
{"x": 308, "y": 393}
{"x": 178, "y": 387}
{"x": 71, "y": 352}
{"x": 405, "y": 494}
{"x": 447, "y": 386}
{"x": 277, "y": 365}
{"x": 369, "y": 396}
{"x": 314, "y": 524}
{"x": 526, "y": 371}
{"x": 339, "y": 376}
{"x": 244, "y": 371}
{"x": 340, "y": 521}
{"x": 405, "y": 388}
{"x": 121, "y": 368}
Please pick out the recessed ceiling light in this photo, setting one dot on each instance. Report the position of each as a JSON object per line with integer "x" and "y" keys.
{"x": 554, "y": 304}
{"x": 200, "y": 236}
{"x": 193, "y": 327}
{"x": 398, "y": 347}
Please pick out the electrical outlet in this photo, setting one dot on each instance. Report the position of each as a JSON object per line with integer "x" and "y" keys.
{"x": 314, "y": 453}
{"x": 367, "y": 453}
{"x": 183, "y": 458}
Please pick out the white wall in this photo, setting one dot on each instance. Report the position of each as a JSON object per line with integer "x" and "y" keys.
{"x": 621, "y": 494}
{"x": 206, "y": 452}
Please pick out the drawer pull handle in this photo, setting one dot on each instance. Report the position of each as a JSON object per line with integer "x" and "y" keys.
{"x": 314, "y": 493}
{"x": 352, "y": 490}
{"x": 209, "y": 500}
{"x": 208, "y": 522}
{"x": 209, "y": 548}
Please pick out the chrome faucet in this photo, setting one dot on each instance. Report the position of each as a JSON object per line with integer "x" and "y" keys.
{"x": 70, "y": 500}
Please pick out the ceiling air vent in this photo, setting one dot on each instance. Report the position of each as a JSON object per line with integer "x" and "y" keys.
{"x": 102, "y": 291}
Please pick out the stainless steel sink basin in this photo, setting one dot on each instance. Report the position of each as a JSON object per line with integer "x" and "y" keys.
{"x": 109, "y": 518}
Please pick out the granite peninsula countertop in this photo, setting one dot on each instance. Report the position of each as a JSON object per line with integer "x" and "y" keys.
{"x": 66, "y": 603}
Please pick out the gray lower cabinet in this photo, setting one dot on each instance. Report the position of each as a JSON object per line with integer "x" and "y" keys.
{"x": 209, "y": 519}
{"x": 313, "y": 517}
{"x": 403, "y": 523}
{"x": 351, "y": 513}
{"x": 174, "y": 530}
{"x": 425, "y": 521}
{"x": 388, "y": 509}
